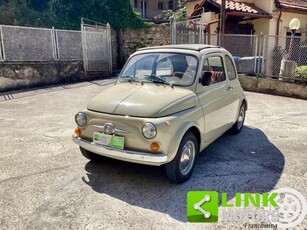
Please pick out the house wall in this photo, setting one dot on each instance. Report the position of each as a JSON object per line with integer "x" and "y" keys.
{"x": 287, "y": 17}
{"x": 152, "y": 7}
{"x": 191, "y": 5}
{"x": 265, "y": 26}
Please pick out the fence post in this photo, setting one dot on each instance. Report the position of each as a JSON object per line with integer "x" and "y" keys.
{"x": 2, "y": 51}
{"x": 109, "y": 40}
{"x": 84, "y": 49}
{"x": 55, "y": 44}
{"x": 173, "y": 31}
{"x": 201, "y": 31}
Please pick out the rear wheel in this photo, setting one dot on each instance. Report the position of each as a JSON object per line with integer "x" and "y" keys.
{"x": 180, "y": 169}
{"x": 89, "y": 155}
{"x": 237, "y": 127}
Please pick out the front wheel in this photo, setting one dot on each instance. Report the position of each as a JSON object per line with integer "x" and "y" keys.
{"x": 237, "y": 127}
{"x": 180, "y": 169}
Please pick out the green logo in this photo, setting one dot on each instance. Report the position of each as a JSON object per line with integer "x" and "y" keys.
{"x": 202, "y": 206}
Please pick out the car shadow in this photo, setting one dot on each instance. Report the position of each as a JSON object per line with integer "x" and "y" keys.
{"x": 248, "y": 162}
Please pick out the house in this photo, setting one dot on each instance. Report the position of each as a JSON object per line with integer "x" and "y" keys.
{"x": 153, "y": 10}
{"x": 269, "y": 17}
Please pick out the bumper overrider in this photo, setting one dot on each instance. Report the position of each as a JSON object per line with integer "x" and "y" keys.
{"x": 119, "y": 154}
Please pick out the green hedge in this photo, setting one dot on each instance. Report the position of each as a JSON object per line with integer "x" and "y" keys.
{"x": 301, "y": 72}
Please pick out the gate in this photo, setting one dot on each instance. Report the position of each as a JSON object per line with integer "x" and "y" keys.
{"x": 187, "y": 32}
{"x": 96, "y": 46}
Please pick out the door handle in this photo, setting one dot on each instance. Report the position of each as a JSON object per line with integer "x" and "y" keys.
{"x": 229, "y": 88}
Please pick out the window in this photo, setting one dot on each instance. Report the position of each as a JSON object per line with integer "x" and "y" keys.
{"x": 170, "y": 5}
{"x": 160, "y": 5}
{"x": 135, "y": 3}
{"x": 163, "y": 68}
{"x": 213, "y": 70}
{"x": 231, "y": 72}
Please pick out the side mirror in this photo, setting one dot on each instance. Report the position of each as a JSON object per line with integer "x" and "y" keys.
{"x": 206, "y": 79}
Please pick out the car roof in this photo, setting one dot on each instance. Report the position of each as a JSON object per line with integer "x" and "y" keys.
{"x": 195, "y": 47}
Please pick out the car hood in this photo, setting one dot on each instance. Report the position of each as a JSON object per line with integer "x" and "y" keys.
{"x": 148, "y": 100}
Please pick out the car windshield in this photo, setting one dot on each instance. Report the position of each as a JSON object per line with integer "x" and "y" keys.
{"x": 161, "y": 68}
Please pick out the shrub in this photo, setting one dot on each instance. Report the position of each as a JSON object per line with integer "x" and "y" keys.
{"x": 301, "y": 72}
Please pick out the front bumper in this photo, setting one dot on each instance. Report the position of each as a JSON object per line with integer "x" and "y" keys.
{"x": 124, "y": 155}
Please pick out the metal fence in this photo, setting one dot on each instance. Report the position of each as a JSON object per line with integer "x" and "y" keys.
{"x": 273, "y": 56}
{"x": 22, "y": 44}
{"x": 97, "y": 49}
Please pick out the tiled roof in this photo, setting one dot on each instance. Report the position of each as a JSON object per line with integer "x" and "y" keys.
{"x": 235, "y": 7}
{"x": 292, "y": 4}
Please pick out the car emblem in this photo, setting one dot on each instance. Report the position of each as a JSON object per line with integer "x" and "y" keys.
{"x": 109, "y": 128}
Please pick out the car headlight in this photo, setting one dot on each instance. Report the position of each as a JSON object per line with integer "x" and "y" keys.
{"x": 149, "y": 130}
{"x": 80, "y": 119}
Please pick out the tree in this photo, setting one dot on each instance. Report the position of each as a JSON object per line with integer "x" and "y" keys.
{"x": 67, "y": 14}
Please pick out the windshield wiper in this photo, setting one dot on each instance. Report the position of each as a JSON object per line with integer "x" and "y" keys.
{"x": 157, "y": 79}
{"x": 129, "y": 78}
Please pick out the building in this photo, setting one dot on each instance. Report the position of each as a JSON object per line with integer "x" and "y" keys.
{"x": 269, "y": 17}
{"x": 153, "y": 10}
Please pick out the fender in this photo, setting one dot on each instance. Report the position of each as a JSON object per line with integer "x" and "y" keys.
{"x": 173, "y": 148}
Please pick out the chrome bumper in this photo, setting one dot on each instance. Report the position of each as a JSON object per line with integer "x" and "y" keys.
{"x": 125, "y": 155}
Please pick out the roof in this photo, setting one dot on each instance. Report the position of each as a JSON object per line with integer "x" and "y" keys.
{"x": 196, "y": 47}
{"x": 234, "y": 8}
{"x": 300, "y": 5}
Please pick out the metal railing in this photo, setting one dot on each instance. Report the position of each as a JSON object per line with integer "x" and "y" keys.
{"x": 271, "y": 56}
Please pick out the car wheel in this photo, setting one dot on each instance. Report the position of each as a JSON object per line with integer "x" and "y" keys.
{"x": 89, "y": 155}
{"x": 237, "y": 127}
{"x": 180, "y": 169}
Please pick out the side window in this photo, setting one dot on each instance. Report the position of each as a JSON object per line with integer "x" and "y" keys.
{"x": 213, "y": 70}
{"x": 231, "y": 72}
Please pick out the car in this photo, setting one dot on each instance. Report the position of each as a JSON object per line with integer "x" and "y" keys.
{"x": 167, "y": 105}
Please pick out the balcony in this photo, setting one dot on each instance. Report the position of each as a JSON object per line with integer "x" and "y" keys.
{"x": 151, "y": 15}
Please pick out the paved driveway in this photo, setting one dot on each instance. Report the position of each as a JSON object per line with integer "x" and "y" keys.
{"x": 45, "y": 183}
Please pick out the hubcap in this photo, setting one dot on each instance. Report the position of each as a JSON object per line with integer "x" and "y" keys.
{"x": 187, "y": 158}
{"x": 241, "y": 117}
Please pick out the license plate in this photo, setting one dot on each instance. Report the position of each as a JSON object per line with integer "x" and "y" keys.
{"x": 109, "y": 140}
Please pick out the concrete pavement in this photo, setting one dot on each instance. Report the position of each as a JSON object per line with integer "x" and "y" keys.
{"x": 45, "y": 183}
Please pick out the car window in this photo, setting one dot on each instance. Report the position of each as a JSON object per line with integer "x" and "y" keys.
{"x": 213, "y": 68}
{"x": 164, "y": 68}
{"x": 231, "y": 72}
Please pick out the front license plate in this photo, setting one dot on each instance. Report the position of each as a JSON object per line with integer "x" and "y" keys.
{"x": 109, "y": 140}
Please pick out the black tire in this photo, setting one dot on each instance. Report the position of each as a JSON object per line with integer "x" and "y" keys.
{"x": 174, "y": 168}
{"x": 89, "y": 155}
{"x": 237, "y": 127}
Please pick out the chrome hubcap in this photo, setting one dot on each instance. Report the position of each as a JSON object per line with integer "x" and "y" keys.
{"x": 241, "y": 118}
{"x": 187, "y": 158}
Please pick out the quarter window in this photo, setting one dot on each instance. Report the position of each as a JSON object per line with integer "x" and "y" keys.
{"x": 231, "y": 72}
{"x": 213, "y": 69}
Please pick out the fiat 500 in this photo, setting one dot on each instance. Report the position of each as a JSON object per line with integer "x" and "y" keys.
{"x": 167, "y": 105}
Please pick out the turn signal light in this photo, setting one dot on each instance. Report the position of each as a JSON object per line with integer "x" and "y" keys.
{"x": 155, "y": 147}
{"x": 77, "y": 131}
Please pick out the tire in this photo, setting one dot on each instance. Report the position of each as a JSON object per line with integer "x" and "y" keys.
{"x": 237, "y": 127}
{"x": 179, "y": 170}
{"x": 89, "y": 155}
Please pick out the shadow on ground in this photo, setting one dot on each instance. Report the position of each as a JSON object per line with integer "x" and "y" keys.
{"x": 248, "y": 162}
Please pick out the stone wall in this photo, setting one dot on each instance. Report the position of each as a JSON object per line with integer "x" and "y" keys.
{"x": 25, "y": 75}
{"x": 133, "y": 39}
{"x": 273, "y": 86}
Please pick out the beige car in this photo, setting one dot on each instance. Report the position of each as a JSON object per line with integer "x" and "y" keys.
{"x": 167, "y": 105}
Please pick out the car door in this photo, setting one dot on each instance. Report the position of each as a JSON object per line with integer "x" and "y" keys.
{"x": 234, "y": 87}
{"x": 213, "y": 97}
